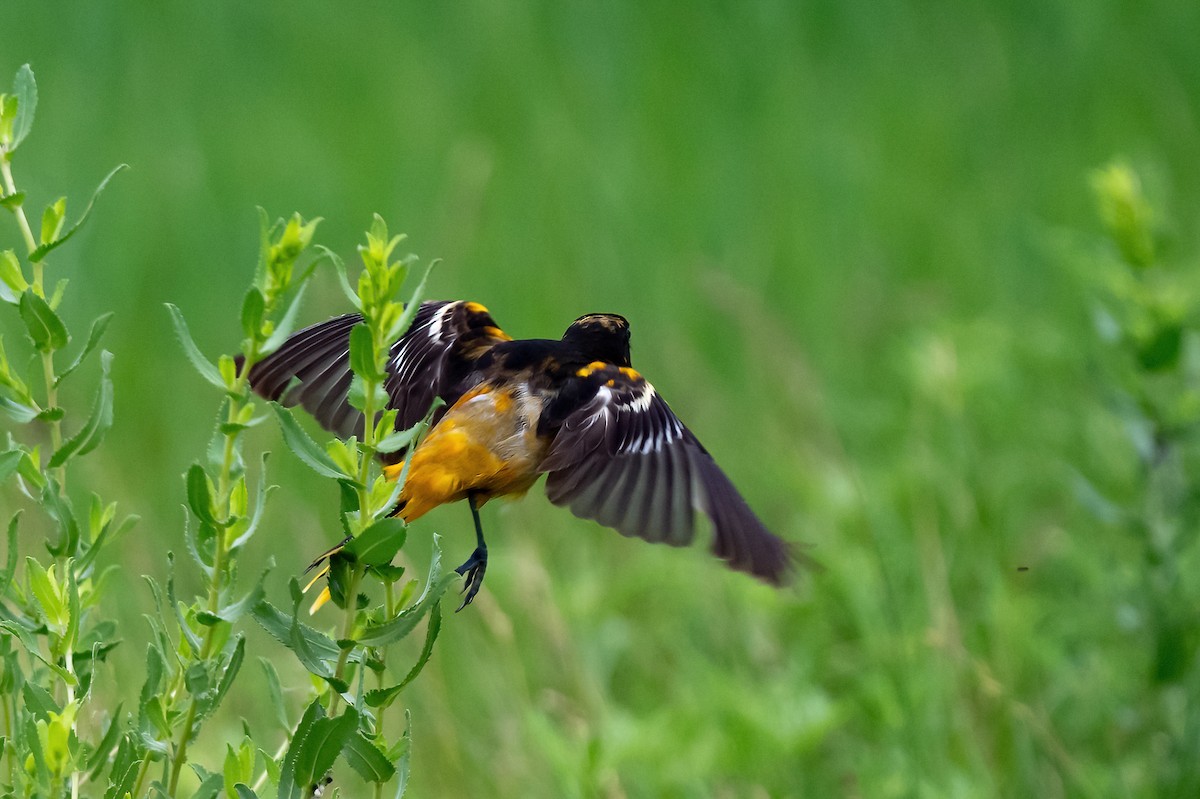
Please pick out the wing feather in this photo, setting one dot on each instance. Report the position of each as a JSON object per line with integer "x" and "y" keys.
{"x": 312, "y": 368}
{"x": 625, "y": 460}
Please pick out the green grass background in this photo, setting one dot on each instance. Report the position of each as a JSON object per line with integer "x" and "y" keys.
{"x": 848, "y": 237}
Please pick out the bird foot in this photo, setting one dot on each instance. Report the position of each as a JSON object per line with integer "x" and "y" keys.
{"x": 473, "y": 569}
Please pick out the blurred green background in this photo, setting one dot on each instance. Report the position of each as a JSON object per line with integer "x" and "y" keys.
{"x": 848, "y": 237}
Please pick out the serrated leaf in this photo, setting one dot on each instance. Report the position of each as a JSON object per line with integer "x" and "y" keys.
{"x": 199, "y": 494}
{"x": 289, "y": 786}
{"x": 379, "y": 543}
{"x": 45, "y": 249}
{"x": 253, "y": 308}
{"x": 12, "y": 280}
{"x": 275, "y": 692}
{"x": 322, "y": 745}
{"x": 206, "y": 369}
{"x": 12, "y": 201}
{"x": 210, "y": 787}
{"x": 38, "y": 701}
{"x": 414, "y": 304}
{"x": 401, "y": 755}
{"x": 45, "y": 329}
{"x": 18, "y": 412}
{"x": 107, "y": 533}
{"x": 185, "y": 629}
{"x": 124, "y": 769}
{"x": 285, "y": 326}
{"x": 235, "y": 610}
{"x": 25, "y": 88}
{"x": 10, "y": 559}
{"x": 367, "y": 759}
{"x": 362, "y": 353}
{"x": 339, "y": 266}
{"x": 98, "y": 757}
{"x": 279, "y": 625}
{"x": 156, "y": 665}
{"x": 229, "y": 674}
{"x": 52, "y": 220}
{"x": 304, "y": 447}
{"x": 404, "y": 623}
{"x": 94, "y": 336}
{"x": 97, "y": 425}
{"x": 47, "y": 595}
{"x": 398, "y": 440}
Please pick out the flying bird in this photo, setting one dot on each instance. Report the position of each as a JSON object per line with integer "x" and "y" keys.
{"x": 573, "y": 409}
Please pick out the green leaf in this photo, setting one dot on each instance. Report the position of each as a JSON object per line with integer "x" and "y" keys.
{"x": 207, "y": 370}
{"x": 33, "y": 648}
{"x": 38, "y": 701}
{"x": 185, "y": 629}
{"x": 304, "y": 447}
{"x": 275, "y": 692}
{"x": 97, "y": 425}
{"x": 58, "y": 506}
{"x": 279, "y": 625}
{"x": 98, "y": 757}
{"x": 379, "y": 543}
{"x": 228, "y": 675}
{"x": 398, "y": 440}
{"x": 235, "y": 610}
{"x": 12, "y": 201}
{"x": 199, "y": 494}
{"x": 322, "y": 745}
{"x": 210, "y": 787}
{"x": 52, "y": 220}
{"x": 253, "y": 308}
{"x": 10, "y": 559}
{"x": 47, "y": 594}
{"x": 401, "y": 755}
{"x": 243, "y": 792}
{"x": 339, "y": 266}
{"x": 367, "y": 759}
{"x": 410, "y": 310}
{"x": 43, "y": 325}
{"x": 19, "y": 413}
{"x": 94, "y": 335}
{"x": 25, "y": 88}
{"x": 156, "y": 664}
{"x": 362, "y": 353}
{"x": 285, "y": 325}
{"x": 45, "y": 249}
{"x": 12, "y": 280}
{"x": 404, "y": 623}
{"x": 431, "y": 634}
{"x": 289, "y": 786}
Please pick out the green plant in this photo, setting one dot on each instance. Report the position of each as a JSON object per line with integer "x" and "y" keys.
{"x": 61, "y": 736}
{"x": 1147, "y": 315}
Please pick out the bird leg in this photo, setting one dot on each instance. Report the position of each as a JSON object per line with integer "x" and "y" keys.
{"x": 476, "y": 565}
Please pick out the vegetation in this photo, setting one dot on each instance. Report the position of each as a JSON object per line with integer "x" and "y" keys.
{"x": 881, "y": 261}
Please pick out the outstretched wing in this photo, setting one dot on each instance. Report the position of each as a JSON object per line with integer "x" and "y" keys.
{"x": 624, "y": 459}
{"x": 433, "y": 359}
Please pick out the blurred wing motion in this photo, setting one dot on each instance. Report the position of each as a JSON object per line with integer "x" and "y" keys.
{"x": 624, "y": 459}
{"x": 433, "y": 359}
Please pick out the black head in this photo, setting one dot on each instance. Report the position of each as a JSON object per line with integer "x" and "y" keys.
{"x": 600, "y": 337}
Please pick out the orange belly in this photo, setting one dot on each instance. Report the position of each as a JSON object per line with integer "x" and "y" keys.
{"x": 486, "y": 445}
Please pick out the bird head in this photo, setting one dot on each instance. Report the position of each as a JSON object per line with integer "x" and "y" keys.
{"x": 600, "y": 337}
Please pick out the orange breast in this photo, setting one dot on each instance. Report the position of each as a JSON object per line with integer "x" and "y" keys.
{"x": 485, "y": 445}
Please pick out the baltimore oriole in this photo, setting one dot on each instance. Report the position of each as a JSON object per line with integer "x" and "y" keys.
{"x": 573, "y": 409}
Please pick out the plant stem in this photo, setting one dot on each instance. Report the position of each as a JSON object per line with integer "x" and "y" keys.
{"x": 224, "y": 483}
{"x": 356, "y": 573}
{"x": 11, "y": 188}
{"x": 12, "y": 767}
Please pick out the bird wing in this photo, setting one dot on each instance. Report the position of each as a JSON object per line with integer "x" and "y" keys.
{"x": 624, "y": 459}
{"x": 433, "y": 359}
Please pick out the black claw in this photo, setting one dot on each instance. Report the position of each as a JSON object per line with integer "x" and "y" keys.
{"x": 473, "y": 569}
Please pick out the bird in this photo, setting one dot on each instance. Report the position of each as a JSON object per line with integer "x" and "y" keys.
{"x": 573, "y": 409}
